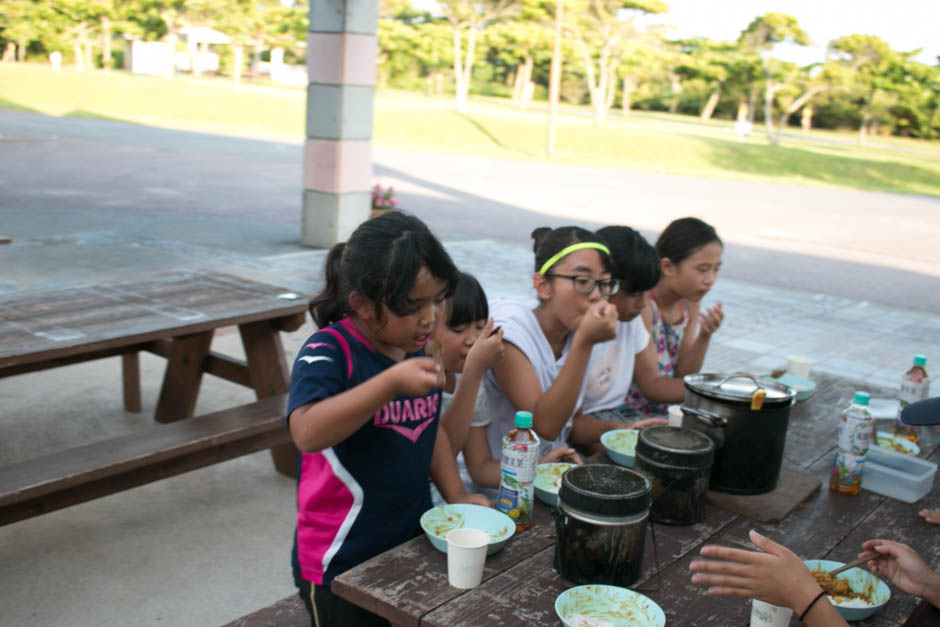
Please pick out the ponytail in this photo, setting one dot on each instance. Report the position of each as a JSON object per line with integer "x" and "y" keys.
{"x": 329, "y": 306}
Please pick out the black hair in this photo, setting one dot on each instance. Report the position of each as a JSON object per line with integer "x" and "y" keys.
{"x": 381, "y": 261}
{"x": 547, "y": 242}
{"x": 468, "y": 304}
{"x": 683, "y": 237}
{"x": 636, "y": 261}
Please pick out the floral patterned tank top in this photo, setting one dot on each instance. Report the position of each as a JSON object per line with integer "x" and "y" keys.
{"x": 667, "y": 339}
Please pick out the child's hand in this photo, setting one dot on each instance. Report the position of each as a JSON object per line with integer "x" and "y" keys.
{"x": 416, "y": 376}
{"x": 599, "y": 323}
{"x": 901, "y": 565}
{"x": 487, "y": 351}
{"x": 931, "y": 516}
{"x": 711, "y": 320}
{"x": 645, "y": 422}
{"x": 473, "y": 499}
{"x": 562, "y": 454}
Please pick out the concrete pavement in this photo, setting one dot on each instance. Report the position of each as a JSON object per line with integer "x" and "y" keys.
{"x": 90, "y": 201}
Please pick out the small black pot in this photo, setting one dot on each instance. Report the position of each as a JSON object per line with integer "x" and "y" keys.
{"x": 677, "y": 463}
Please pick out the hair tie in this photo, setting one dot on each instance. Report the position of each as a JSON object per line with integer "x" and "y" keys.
{"x": 811, "y": 604}
{"x": 570, "y": 249}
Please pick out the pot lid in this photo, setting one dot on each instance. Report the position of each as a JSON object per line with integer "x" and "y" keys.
{"x": 739, "y": 388}
{"x": 605, "y": 489}
{"x": 675, "y": 446}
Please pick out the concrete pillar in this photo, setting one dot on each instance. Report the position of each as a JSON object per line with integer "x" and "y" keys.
{"x": 341, "y": 67}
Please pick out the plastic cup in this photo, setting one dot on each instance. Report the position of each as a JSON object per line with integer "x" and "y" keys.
{"x": 466, "y": 554}
{"x": 675, "y": 416}
{"x": 799, "y": 366}
{"x": 766, "y": 615}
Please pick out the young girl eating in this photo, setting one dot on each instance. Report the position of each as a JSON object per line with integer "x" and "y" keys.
{"x": 364, "y": 405}
{"x": 690, "y": 257}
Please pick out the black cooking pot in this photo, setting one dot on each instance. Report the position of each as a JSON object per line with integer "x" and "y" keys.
{"x": 747, "y": 419}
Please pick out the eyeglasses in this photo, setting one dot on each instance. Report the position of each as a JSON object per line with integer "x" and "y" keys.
{"x": 585, "y": 285}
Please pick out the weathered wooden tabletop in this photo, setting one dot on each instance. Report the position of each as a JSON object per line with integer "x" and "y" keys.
{"x": 408, "y": 584}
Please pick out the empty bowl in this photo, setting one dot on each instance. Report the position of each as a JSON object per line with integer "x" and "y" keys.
{"x": 437, "y": 521}
{"x": 584, "y": 606}
{"x": 548, "y": 480}
{"x": 862, "y": 582}
{"x": 620, "y": 445}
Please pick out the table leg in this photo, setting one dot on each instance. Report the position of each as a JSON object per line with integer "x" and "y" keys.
{"x": 267, "y": 369}
{"x": 130, "y": 366}
{"x": 182, "y": 378}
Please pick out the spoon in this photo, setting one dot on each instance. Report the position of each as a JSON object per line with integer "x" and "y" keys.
{"x": 852, "y": 564}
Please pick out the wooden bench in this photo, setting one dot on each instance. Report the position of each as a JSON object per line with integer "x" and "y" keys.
{"x": 288, "y": 612}
{"x": 45, "y": 484}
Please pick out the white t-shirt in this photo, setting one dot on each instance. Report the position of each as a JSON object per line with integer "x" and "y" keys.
{"x": 522, "y": 330}
{"x": 610, "y": 370}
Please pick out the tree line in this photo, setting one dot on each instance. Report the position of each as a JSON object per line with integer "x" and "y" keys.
{"x": 505, "y": 48}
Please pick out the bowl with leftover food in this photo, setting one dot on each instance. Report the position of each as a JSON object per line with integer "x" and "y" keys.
{"x": 620, "y": 445}
{"x": 607, "y": 606}
{"x": 855, "y": 593}
{"x": 437, "y": 521}
{"x": 896, "y": 443}
{"x": 548, "y": 480}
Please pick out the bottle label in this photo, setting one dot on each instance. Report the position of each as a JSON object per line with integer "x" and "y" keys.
{"x": 855, "y": 433}
{"x": 912, "y": 390}
{"x": 847, "y": 469}
{"x": 519, "y": 461}
{"x": 517, "y": 480}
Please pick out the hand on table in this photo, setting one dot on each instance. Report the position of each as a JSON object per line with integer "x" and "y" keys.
{"x": 562, "y": 454}
{"x": 643, "y": 423}
{"x": 931, "y": 516}
{"x": 473, "y": 499}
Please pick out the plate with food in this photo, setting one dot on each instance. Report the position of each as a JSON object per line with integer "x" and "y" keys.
{"x": 896, "y": 443}
{"x": 548, "y": 480}
{"x": 437, "y": 521}
{"x": 620, "y": 445}
{"x": 607, "y": 606}
{"x": 855, "y": 593}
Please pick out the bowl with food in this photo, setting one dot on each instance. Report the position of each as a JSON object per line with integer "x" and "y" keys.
{"x": 855, "y": 593}
{"x": 548, "y": 480}
{"x": 620, "y": 445}
{"x": 437, "y": 521}
{"x": 607, "y": 606}
{"x": 896, "y": 443}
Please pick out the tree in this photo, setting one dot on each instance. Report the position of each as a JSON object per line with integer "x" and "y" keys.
{"x": 759, "y": 38}
{"x": 873, "y": 72}
{"x": 467, "y": 17}
{"x": 601, "y": 30}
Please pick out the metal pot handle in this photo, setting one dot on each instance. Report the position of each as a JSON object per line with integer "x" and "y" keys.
{"x": 710, "y": 418}
{"x": 741, "y": 375}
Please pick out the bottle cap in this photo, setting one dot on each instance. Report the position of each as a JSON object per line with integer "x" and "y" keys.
{"x": 920, "y": 360}
{"x": 861, "y": 398}
{"x": 523, "y": 419}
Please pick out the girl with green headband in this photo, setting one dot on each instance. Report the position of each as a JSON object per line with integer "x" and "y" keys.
{"x": 549, "y": 342}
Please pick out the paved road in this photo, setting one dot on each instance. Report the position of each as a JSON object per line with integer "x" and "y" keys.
{"x": 62, "y": 175}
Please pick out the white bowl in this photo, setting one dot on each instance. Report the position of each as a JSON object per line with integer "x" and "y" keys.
{"x": 859, "y": 580}
{"x": 547, "y": 480}
{"x": 437, "y": 521}
{"x": 588, "y": 605}
{"x": 620, "y": 445}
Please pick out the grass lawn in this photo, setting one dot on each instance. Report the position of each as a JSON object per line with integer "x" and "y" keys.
{"x": 492, "y": 128}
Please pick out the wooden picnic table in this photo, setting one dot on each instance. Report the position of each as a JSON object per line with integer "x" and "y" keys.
{"x": 408, "y": 584}
{"x": 170, "y": 314}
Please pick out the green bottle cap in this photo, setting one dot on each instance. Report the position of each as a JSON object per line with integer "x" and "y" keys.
{"x": 920, "y": 360}
{"x": 861, "y": 398}
{"x": 523, "y": 419}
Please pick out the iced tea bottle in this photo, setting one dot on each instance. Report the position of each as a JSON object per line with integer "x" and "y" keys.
{"x": 855, "y": 429}
{"x": 914, "y": 387}
{"x": 517, "y": 471}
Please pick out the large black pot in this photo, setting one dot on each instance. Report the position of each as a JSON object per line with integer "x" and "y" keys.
{"x": 749, "y": 434}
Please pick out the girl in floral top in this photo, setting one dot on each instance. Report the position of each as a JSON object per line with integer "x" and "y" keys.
{"x": 690, "y": 255}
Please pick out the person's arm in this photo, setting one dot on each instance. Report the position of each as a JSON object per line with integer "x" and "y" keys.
{"x": 775, "y": 576}
{"x": 486, "y": 352}
{"x": 446, "y": 477}
{"x": 483, "y": 468}
{"x": 902, "y": 566}
{"x": 322, "y": 424}
{"x": 655, "y": 387}
{"x": 695, "y": 344}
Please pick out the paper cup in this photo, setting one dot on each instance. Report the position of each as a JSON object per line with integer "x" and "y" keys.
{"x": 466, "y": 554}
{"x": 767, "y": 615}
{"x": 799, "y": 366}
{"x": 675, "y": 416}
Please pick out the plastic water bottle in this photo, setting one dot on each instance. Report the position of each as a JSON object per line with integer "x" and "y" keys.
{"x": 517, "y": 471}
{"x": 915, "y": 385}
{"x": 855, "y": 429}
